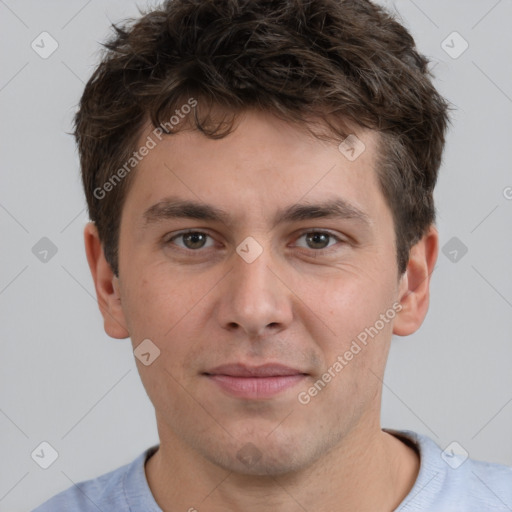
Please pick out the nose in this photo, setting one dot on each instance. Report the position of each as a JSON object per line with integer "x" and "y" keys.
{"x": 255, "y": 298}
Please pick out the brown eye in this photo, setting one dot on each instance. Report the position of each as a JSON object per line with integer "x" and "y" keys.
{"x": 319, "y": 240}
{"x": 192, "y": 240}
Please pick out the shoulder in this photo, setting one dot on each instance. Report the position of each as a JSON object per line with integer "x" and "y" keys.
{"x": 109, "y": 492}
{"x": 449, "y": 481}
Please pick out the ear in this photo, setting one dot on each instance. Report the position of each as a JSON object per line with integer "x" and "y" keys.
{"x": 414, "y": 288}
{"x": 106, "y": 284}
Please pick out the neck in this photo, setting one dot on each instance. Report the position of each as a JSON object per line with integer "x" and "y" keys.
{"x": 365, "y": 472}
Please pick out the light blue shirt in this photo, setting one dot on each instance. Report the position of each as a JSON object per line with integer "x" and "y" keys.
{"x": 445, "y": 483}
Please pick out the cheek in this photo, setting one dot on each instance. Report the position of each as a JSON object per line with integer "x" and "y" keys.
{"x": 172, "y": 310}
{"x": 352, "y": 304}
{"x": 351, "y": 309}
{"x": 154, "y": 302}
{"x": 354, "y": 357}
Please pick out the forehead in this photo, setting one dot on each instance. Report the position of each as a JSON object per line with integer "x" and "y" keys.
{"x": 264, "y": 165}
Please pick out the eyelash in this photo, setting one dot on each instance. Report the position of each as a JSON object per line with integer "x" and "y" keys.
{"x": 314, "y": 252}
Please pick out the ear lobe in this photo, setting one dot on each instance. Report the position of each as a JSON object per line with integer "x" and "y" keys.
{"x": 415, "y": 284}
{"x": 106, "y": 284}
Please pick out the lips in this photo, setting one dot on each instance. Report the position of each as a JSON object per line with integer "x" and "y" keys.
{"x": 254, "y": 382}
{"x": 266, "y": 370}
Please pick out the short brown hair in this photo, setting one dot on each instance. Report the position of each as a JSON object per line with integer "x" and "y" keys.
{"x": 345, "y": 61}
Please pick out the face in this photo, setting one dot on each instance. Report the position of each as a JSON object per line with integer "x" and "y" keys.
{"x": 255, "y": 278}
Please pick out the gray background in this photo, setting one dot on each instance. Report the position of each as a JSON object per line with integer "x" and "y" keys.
{"x": 64, "y": 381}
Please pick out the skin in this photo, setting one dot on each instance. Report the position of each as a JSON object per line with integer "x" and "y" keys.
{"x": 297, "y": 304}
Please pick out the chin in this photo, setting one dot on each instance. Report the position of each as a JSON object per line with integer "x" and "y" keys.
{"x": 262, "y": 457}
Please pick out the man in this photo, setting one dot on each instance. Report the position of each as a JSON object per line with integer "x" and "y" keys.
{"x": 260, "y": 179}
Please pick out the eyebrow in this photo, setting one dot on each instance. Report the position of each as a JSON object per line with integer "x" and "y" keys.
{"x": 173, "y": 208}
